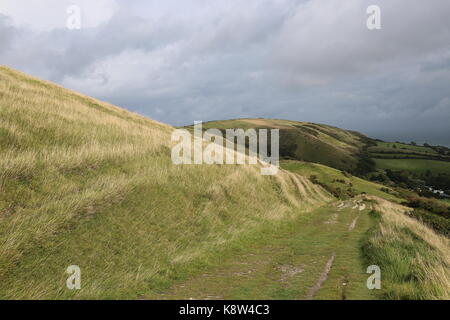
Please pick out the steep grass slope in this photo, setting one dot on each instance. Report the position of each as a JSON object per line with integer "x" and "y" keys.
{"x": 415, "y": 261}
{"x": 331, "y": 146}
{"x": 341, "y": 185}
{"x": 85, "y": 183}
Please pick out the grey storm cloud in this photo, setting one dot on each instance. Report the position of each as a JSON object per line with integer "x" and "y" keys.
{"x": 6, "y": 33}
{"x": 313, "y": 60}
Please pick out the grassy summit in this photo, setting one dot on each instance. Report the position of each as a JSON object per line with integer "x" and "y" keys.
{"x": 305, "y": 141}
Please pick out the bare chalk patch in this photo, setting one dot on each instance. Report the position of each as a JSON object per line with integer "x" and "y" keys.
{"x": 353, "y": 224}
{"x": 312, "y": 292}
{"x": 333, "y": 219}
{"x": 289, "y": 271}
{"x": 344, "y": 205}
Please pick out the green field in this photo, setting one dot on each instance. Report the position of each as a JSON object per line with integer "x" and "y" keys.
{"x": 401, "y": 148}
{"x": 398, "y": 156}
{"x": 414, "y": 165}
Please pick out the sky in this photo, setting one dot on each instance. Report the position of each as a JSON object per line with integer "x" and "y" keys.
{"x": 177, "y": 61}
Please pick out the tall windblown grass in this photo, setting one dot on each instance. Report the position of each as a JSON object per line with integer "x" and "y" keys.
{"x": 83, "y": 182}
{"x": 414, "y": 260}
{"x": 87, "y": 183}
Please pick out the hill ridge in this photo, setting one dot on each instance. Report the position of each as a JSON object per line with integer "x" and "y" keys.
{"x": 90, "y": 184}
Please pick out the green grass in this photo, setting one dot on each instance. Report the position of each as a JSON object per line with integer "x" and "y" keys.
{"x": 90, "y": 184}
{"x": 87, "y": 183}
{"x": 288, "y": 261}
{"x": 397, "y": 156}
{"x": 401, "y": 148}
{"x": 329, "y": 177}
{"x": 414, "y": 165}
{"x": 414, "y": 265}
{"x": 307, "y": 141}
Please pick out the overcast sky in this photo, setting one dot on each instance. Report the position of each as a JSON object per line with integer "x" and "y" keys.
{"x": 177, "y": 61}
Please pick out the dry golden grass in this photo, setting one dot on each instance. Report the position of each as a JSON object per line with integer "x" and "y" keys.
{"x": 396, "y": 216}
{"x": 415, "y": 258}
{"x": 84, "y": 182}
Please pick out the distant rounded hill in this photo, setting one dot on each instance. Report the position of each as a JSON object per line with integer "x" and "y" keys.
{"x": 305, "y": 141}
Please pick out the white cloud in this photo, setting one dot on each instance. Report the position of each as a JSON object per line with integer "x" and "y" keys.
{"x": 179, "y": 61}
{"x": 327, "y": 39}
{"x": 45, "y": 15}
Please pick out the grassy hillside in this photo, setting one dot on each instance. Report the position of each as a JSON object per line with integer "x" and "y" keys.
{"x": 415, "y": 261}
{"x": 411, "y": 166}
{"x": 414, "y": 165}
{"x": 86, "y": 183}
{"x": 312, "y": 142}
{"x": 342, "y": 185}
{"x": 415, "y": 159}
